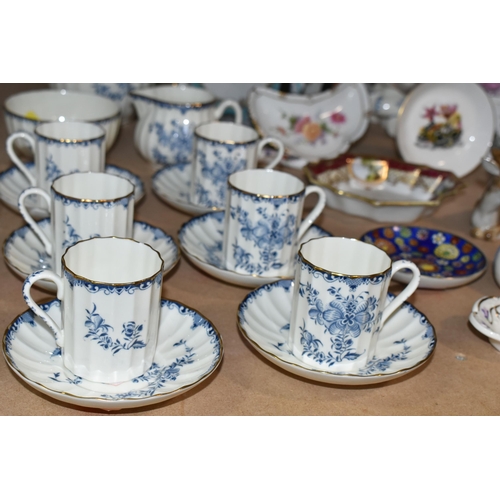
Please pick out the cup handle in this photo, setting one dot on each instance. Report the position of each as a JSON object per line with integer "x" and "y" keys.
{"x": 13, "y": 156}
{"x": 229, "y": 103}
{"x": 28, "y": 283}
{"x": 315, "y": 212}
{"x": 408, "y": 290}
{"x": 27, "y": 217}
{"x": 279, "y": 156}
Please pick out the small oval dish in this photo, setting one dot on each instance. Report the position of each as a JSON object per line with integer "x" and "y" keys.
{"x": 380, "y": 189}
{"x": 485, "y": 318}
{"x": 312, "y": 126}
{"x": 445, "y": 260}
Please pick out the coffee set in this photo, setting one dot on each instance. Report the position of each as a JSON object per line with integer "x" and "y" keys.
{"x": 319, "y": 306}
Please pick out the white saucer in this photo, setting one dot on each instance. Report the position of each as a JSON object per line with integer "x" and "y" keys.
{"x": 171, "y": 184}
{"x": 189, "y": 350}
{"x": 200, "y": 239}
{"x": 477, "y": 118}
{"x": 13, "y": 183}
{"x": 24, "y": 253}
{"x": 406, "y": 341}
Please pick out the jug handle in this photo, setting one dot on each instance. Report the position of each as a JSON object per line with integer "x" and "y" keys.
{"x": 229, "y": 103}
{"x": 13, "y": 156}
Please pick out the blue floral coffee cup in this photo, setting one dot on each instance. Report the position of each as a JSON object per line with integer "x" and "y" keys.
{"x": 339, "y": 303}
{"x": 110, "y": 293}
{"x": 262, "y": 224}
{"x": 61, "y": 148}
{"x": 83, "y": 205}
{"x": 221, "y": 149}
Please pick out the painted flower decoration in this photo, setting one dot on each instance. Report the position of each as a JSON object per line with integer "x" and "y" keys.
{"x": 300, "y": 123}
{"x": 438, "y": 238}
{"x": 312, "y": 131}
{"x": 447, "y": 110}
{"x": 430, "y": 113}
{"x": 338, "y": 117}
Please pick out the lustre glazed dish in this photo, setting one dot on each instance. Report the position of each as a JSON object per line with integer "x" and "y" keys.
{"x": 312, "y": 127}
{"x": 189, "y": 350}
{"x": 447, "y": 126}
{"x": 444, "y": 260}
{"x": 406, "y": 341}
{"x": 384, "y": 190}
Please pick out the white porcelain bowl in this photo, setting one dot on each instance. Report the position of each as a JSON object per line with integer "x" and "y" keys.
{"x": 117, "y": 92}
{"x": 26, "y": 110}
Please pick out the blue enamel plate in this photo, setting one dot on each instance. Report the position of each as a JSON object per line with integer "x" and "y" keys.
{"x": 444, "y": 259}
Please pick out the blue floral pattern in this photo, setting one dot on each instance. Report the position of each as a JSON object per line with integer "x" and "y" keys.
{"x": 179, "y": 141}
{"x": 98, "y": 330}
{"x": 344, "y": 319}
{"x": 51, "y": 169}
{"x": 270, "y": 233}
{"x": 227, "y": 160}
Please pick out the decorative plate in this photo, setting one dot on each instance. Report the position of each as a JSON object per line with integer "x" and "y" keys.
{"x": 448, "y": 126}
{"x": 382, "y": 189}
{"x": 312, "y": 126}
{"x": 406, "y": 341}
{"x": 445, "y": 260}
{"x": 189, "y": 350}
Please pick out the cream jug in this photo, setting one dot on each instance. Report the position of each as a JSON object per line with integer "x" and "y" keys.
{"x": 167, "y": 117}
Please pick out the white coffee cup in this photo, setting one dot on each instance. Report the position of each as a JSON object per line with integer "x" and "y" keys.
{"x": 262, "y": 223}
{"x": 83, "y": 205}
{"x": 339, "y": 302}
{"x": 110, "y": 293}
{"x": 221, "y": 149}
{"x": 61, "y": 148}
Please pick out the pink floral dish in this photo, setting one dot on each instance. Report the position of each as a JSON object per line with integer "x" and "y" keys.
{"x": 312, "y": 127}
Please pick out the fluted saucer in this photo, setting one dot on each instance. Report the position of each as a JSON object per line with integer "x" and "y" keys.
{"x": 13, "y": 183}
{"x": 200, "y": 239}
{"x": 406, "y": 341}
{"x": 25, "y": 254}
{"x": 189, "y": 350}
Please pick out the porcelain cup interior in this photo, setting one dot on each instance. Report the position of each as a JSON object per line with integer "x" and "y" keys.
{"x": 342, "y": 256}
{"x": 266, "y": 183}
{"x": 226, "y": 133}
{"x": 113, "y": 261}
{"x": 70, "y": 132}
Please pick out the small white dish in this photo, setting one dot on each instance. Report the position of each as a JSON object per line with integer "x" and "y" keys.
{"x": 312, "y": 127}
{"x": 200, "y": 239}
{"x": 13, "y": 183}
{"x": 485, "y": 318}
{"x": 24, "y": 253}
{"x": 171, "y": 184}
{"x": 447, "y": 126}
{"x": 406, "y": 341}
{"x": 189, "y": 350}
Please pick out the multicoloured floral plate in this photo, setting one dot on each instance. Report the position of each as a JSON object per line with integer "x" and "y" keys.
{"x": 189, "y": 350}
{"x": 448, "y": 126}
{"x": 406, "y": 341}
{"x": 445, "y": 260}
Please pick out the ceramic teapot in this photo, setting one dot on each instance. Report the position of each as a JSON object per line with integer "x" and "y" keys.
{"x": 167, "y": 117}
